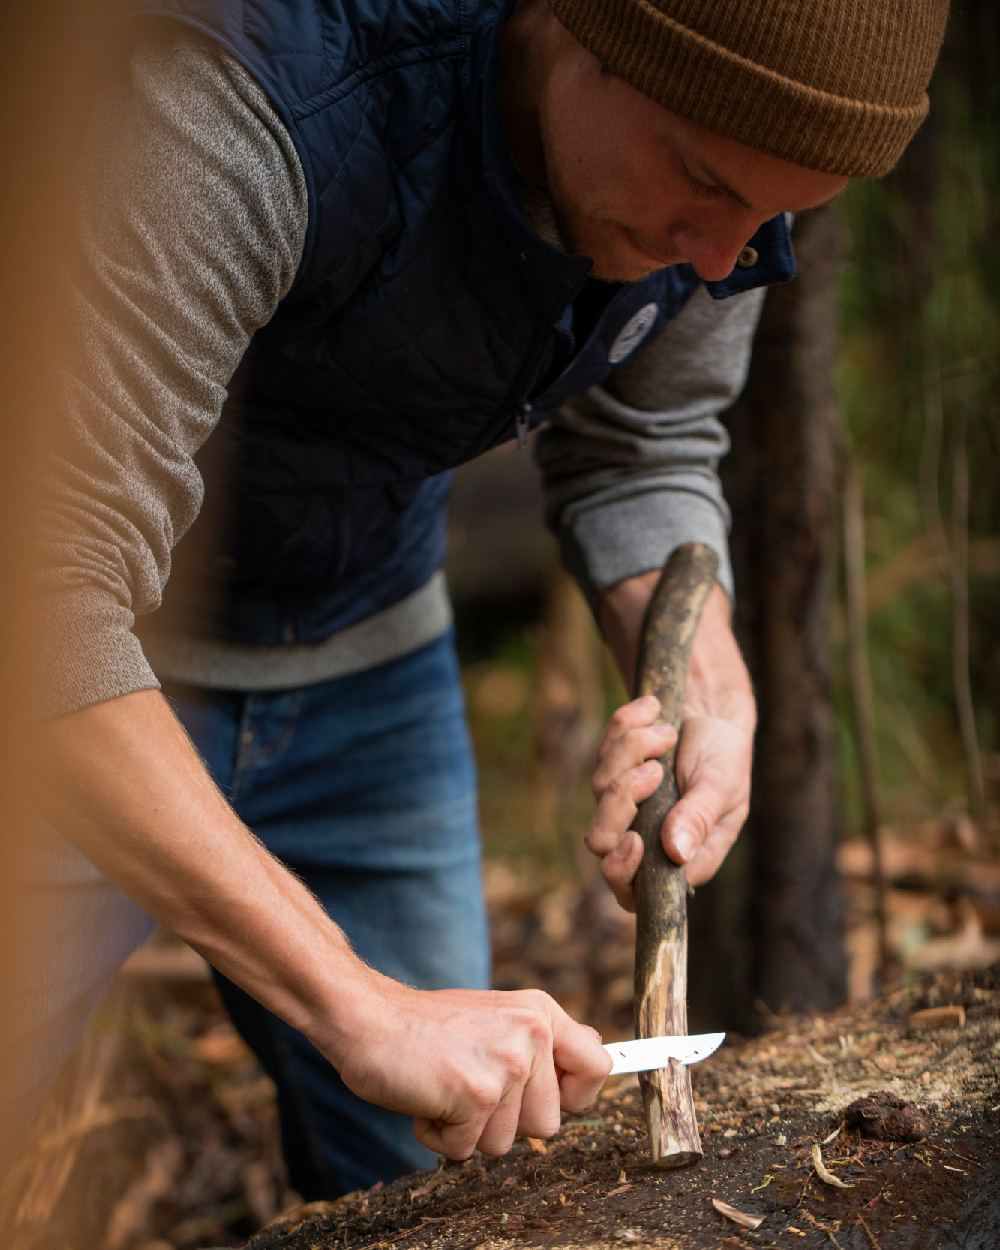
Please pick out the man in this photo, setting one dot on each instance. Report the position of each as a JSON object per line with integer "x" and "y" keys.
{"x": 367, "y": 242}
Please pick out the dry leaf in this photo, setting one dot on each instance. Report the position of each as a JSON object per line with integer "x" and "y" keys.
{"x": 952, "y": 1017}
{"x": 743, "y": 1218}
{"x": 832, "y": 1136}
{"x": 538, "y": 1146}
{"x": 823, "y": 1172}
{"x": 220, "y": 1045}
{"x": 966, "y": 948}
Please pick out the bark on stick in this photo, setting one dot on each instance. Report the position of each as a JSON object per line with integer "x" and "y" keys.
{"x": 660, "y": 885}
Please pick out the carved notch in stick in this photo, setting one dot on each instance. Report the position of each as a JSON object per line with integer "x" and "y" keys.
{"x": 660, "y": 885}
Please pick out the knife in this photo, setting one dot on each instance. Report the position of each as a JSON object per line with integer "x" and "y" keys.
{"x": 647, "y": 1053}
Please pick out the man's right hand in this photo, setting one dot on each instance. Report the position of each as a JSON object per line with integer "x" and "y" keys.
{"x": 475, "y": 1068}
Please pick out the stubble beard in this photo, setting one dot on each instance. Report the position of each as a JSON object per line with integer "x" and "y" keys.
{"x": 573, "y": 242}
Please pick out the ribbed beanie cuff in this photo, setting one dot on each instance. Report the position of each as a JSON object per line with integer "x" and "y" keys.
{"x": 836, "y": 85}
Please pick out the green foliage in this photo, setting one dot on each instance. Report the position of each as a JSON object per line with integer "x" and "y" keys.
{"x": 920, "y": 382}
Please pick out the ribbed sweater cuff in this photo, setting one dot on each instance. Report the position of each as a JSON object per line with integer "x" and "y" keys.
{"x": 619, "y": 539}
{"x": 86, "y": 653}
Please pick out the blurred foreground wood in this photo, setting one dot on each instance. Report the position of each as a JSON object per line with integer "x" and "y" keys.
{"x": 848, "y": 1130}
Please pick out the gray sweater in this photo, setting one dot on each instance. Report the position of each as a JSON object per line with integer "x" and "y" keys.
{"x": 192, "y": 216}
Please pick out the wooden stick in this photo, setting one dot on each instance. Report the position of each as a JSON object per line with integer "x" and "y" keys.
{"x": 660, "y": 885}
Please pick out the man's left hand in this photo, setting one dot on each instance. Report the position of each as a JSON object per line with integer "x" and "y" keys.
{"x": 713, "y": 756}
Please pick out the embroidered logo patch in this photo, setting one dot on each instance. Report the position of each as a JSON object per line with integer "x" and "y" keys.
{"x": 632, "y": 333}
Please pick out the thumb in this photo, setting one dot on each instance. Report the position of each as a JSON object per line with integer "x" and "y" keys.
{"x": 690, "y": 821}
{"x": 581, "y": 1060}
{"x": 454, "y": 1141}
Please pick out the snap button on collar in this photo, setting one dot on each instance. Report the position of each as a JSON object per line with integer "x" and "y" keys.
{"x": 747, "y": 258}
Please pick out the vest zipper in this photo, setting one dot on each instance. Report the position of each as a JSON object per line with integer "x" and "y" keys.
{"x": 525, "y": 383}
{"x": 521, "y": 421}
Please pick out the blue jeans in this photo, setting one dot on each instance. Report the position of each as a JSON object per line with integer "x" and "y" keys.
{"x": 365, "y": 787}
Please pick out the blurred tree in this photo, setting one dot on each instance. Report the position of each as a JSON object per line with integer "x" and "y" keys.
{"x": 919, "y": 375}
{"x": 921, "y": 383}
{"x": 770, "y": 930}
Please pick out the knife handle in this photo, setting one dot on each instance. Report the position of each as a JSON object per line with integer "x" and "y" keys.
{"x": 660, "y": 886}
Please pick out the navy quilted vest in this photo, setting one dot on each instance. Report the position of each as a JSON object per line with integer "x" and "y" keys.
{"x": 426, "y": 324}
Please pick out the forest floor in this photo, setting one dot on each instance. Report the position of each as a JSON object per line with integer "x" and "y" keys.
{"x": 163, "y": 1136}
{"x": 904, "y": 1122}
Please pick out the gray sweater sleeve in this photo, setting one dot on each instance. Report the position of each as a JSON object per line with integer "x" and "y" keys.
{"x": 192, "y": 215}
{"x": 630, "y": 467}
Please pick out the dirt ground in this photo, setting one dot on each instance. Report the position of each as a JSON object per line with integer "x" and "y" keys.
{"x": 162, "y": 1134}
{"x": 925, "y": 1176}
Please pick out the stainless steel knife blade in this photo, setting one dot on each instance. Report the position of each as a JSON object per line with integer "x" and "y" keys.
{"x": 646, "y": 1053}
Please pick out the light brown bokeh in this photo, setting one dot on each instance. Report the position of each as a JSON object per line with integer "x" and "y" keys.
{"x": 48, "y": 63}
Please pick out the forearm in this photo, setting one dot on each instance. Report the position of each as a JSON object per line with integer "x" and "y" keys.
{"x": 718, "y": 682}
{"x": 125, "y": 785}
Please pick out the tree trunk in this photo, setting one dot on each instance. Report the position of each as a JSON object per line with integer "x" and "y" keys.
{"x": 771, "y": 931}
{"x": 797, "y": 922}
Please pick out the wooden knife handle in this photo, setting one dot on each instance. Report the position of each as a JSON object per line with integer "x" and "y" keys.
{"x": 660, "y": 886}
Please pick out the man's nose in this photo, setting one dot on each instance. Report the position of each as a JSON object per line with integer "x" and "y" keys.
{"x": 712, "y": 252}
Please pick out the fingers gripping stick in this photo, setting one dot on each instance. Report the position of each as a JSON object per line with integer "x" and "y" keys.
{"x": 660, "y": 1004}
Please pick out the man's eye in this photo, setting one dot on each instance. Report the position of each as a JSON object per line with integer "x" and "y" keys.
{"x": 705, "y": 189}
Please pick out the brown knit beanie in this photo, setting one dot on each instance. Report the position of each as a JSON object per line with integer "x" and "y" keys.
{"x": 836, "y": 85}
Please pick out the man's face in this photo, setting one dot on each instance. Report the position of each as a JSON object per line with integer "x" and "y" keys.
{"x": 636, "y": 187}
